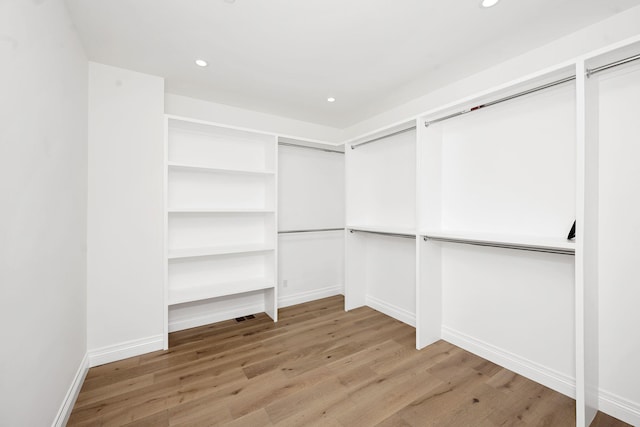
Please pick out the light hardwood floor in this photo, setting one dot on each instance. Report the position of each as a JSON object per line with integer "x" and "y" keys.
{"x": 318, "y": 366}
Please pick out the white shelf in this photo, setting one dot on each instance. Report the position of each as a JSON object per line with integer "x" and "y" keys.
{"x": 202, "y": 292}
{"x": 383, "y": 229}
{"x": 202, "y": 168}
{"x": 212, "y": 251}
{"x": 219, "y": 211}
{"x": 511, "y": 240}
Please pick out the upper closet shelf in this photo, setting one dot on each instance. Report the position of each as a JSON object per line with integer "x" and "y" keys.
{"x": 201, "y": 168}
{"x": 219, "y": 211}
{"x": 212, "y": 251}
{"x": 533, "y": 243}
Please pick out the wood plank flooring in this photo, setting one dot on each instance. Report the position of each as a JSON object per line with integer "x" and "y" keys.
{"x": 318, "y": 366}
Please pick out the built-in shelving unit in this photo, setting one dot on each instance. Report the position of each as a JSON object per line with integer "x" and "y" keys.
{"x": 456, "y": 223}
{"x": 221, "y": 196}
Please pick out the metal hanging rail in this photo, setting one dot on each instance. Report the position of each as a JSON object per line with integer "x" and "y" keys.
{"x": 502, "y": 245}
{"x": 327, "y": 150}
{"x": 311, "y": 230}
{"x": 498, "y": 101}
{"x": 592, "y": 71}
{"x": 354, "y": 146}
{"x": 383, "y": 233}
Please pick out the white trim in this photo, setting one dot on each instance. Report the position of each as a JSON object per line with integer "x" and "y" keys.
{"x": 246, "y": 129}
{"x": 568, "y": 63}
{"x": 306, "y": 296}
{"x": 125, "y": 350}
{"x": 541, "y": 374}
{"x": 619, "y": 407}
{"x": 64, "y": 412}
{"x": 218, "y": 316}
{"x": 391, "y": 310}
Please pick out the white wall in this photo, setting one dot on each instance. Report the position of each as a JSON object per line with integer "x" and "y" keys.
{"x": 616, "y": 28}
{"x": 125, "y": 213}
{"x": 310, "y": 196}
{"x": 43, "y": 183}
{"x": 381, "y": 183}
{"x": 233, "y": 116}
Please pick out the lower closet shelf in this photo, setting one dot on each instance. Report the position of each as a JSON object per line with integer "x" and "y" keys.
{"x": 198, "y": 293}
{"x": 223, "y": 250}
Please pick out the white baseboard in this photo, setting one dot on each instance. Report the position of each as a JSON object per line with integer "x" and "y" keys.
{"x": 302, "y": 297}
{"x": 541, "y": 374}
{"x": 72, "y": 394}
{"x": 125, "y": 350}
{"x": 619, "y": 407}
{"x": 391, "y": 310}
{"x": 217, "y": 316}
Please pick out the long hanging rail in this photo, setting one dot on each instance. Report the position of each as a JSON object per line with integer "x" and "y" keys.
{"x": 596, "y": 70}
{"x": 383, "y": 233}
{"x": 520, "y": 247}
{"x": 498, "y": 101}
{"x": 360, "y": 144}
{"x": 327, "y": 150}
{"x": 310, "y": 230}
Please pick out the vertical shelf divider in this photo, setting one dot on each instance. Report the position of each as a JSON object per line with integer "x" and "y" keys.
{"x": 428, "y": 255}
{"x": 586, "y": 292}
{"x": 271, "y": 235}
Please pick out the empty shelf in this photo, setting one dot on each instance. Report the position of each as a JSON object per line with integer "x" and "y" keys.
{"x": 202, "y": 168}
{"x": 197, "y": 293}
{"x": 216, "y": 210}
{"x": 221, "y": 250}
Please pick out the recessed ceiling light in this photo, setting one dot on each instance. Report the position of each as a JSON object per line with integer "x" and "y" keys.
{"x": 201, "y": 63}
{"x": 489, "y": 3}
{"x": 331, "y": 99}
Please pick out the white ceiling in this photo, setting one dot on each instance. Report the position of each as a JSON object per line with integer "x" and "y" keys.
{"x": 286, "y": 57}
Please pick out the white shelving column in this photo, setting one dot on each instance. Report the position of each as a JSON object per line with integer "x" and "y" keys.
{"x": 607, "y": 246}
{"x": 428, "y": 255}
{"x": 221, "y": 198}
{"x": 496, "y": 189}
{"x": 380, "y": 192}
{"x": 586, "y": 248}
{"x": 310, "y": 221}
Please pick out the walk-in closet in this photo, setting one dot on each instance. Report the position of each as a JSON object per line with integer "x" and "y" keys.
{"x": 283, "y": 213}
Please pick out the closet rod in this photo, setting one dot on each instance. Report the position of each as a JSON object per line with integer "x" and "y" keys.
{"x": 502, "y": 245}
{"x": 498, "y": 101}
{"x": 327, "y": 150}
{"x": 353, "y": 146}
{"x": 383, "y": 233}
{"x": 592, "y": 71}
{"x": 311, "y": 230}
